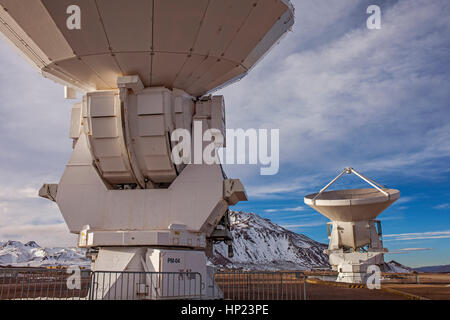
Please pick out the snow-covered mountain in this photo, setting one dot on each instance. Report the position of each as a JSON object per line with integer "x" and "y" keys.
{"x": 258, "y": 244}
{"x": 261, "y": 244}
{"x": 434, "y": 269}
{"x": 395, "y": 267}
{"x": 15, "y": 253}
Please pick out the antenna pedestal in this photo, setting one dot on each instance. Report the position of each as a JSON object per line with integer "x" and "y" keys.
{"x": 152, "y": 274}
{"x": 354, "y": 246}
{"x": 353, "y": 266}
{"x": 131, "y": 204}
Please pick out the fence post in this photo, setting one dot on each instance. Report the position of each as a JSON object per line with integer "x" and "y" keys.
{"x": 304, "y": 287}
{"x": 281, "y": 281}
{"x": 200, "y": 275}
{"x": 91, "y": 287}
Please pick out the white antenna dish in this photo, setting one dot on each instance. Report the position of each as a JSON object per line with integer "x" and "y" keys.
{"x": 352, "y": 204}
{"x": 195, "y": 46}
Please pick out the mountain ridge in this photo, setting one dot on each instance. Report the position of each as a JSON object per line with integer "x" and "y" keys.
{"x": 259, "y": 244}
{"x": 30, "y": 254}
{"x": 434, "y": 269}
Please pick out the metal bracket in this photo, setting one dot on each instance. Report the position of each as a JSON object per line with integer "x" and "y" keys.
{"x": 234, "y": 191}
{"x": 49, "y": 191}
{"x": 350, "y": 170}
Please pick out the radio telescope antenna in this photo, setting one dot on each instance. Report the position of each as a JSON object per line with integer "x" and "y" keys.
{"x": 146, "y": 68}
{"x": 355, "y": 235}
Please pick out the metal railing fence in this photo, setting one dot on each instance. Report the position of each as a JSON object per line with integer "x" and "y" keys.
{"x": 60, "y": 284}
{"x": 129, "y": 285}
{"x": 41, "y": 283}
{"x": 253, "y": 285}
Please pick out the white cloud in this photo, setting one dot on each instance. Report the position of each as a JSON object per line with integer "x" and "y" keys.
{"x": 279, "y": 186}
{"x": 404, "y": 200}
{"x": 3, "y": 207}
{"x": 442, "y": 206}
{"x": 23, "y": 215}
{"x": 272, "y": 190}
{"x": 409, "y": 250}
{"x": 418, "y": 236}
{"x": 305, "y": 225}
{"x": 357, "y": 99}
{"x": 34, "y": 120}
{"x": 44, "y": 235}
{"x": 299, "y": 208}
{"x": 14, "y": 194}
{"x": 390, "y": 218}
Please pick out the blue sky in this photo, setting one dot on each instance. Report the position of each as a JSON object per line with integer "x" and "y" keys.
{"x": 341, "y": 95}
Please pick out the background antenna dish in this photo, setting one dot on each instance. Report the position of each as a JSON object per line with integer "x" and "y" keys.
{"x": 355, "y": 236}
{"x": 352, "y": 204}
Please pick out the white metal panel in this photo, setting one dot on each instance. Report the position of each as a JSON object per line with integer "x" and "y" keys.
{"x": 36, "y": 24}
{"x": 84, "y": 107}
{"x": 152, "y": 113}
{"x": 152, "y": 146}
{"x": 129, "y": 27}
{"x": 178, "y": 105}
{"x": 106, "y": 138}
{"x": 161, "y": 260}
{"x": 78, "y": 71}
{"x": 231, "y": 76}
{"x": 151, "y": 125}
{"x": 193, "y": 70}
{"x": 81, "y": 154}
{"x": 177, "y": 23}
{"x": 104, "y": 127}
{"x": 114, "y": 164}
{"x": 136, "y": 63}
{"x": 166, "y": 67}
{"x": 218, "y": 115}
{"x": 21, "y": 41}
{"x": 151, "y": 103}
{"x": 75, "y": 121}
{"x": 261, "y": 19}
{"x": 106, "y": 67}
{"x": 220, "y": 25}
{"x": 58, "y": 75}
{"x": 270, "y": 39}
{"x": 114, "y": 259}
{"x": 102, "y": 106}
{"x": 91, "y": 38}
{"x": 158, "y": 163}
{"x": 106, "y": 147}
{"x": 186, "y": 72}
{"x": 202, "y": 83}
